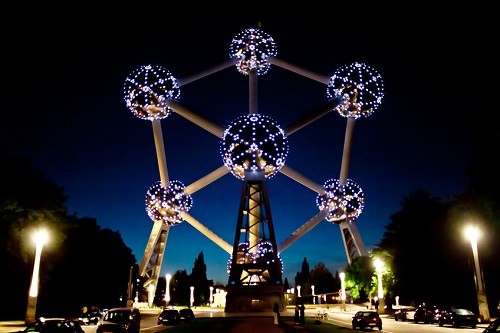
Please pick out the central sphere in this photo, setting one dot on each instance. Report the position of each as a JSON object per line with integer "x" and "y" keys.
{"x": 254, "y": 147}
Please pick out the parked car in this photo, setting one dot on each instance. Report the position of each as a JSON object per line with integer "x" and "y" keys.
{"x": 366, "y": 319}
{"x": 90, "y": 317}
{"x": 120, "y": 320}
{"x": 424, "y": 314}
{"x": 53, "y": 325}
{"x": 404, "y": 314}
{"x": 458, "y": 317}
{"x": 169, "y": 317}
{"x": 186, "y": 315}
{"x": 494, "y": 327}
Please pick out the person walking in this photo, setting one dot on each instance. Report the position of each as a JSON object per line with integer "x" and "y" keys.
{"x": 302, "y": 319}
{"x": 276, "y": 313}
{"x": 296, "y": 317}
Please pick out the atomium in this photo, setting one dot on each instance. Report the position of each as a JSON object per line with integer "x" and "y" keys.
{"x": 342, "y": 201}
{"x": 167, "y": 203}
{"x": 252, "y": 49}
{"x": 254, "y": 147}
{"x": 359, "y": 87}
{"x": 147, "y": 89}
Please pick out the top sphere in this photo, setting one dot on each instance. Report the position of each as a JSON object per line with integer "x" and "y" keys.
{"x": 359, "y": 88}
{"x": 147, "y": 90}
{"x": 252, "y": 49}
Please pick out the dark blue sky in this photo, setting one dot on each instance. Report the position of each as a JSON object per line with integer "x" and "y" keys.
{"x": 64, "y": 111}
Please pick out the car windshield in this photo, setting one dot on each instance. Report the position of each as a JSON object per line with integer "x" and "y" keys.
{"x": 118, "y": 317}
{"x": 464, "y": 312}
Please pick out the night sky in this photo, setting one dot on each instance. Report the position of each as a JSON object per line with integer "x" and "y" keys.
{"x": 63, "y": 109}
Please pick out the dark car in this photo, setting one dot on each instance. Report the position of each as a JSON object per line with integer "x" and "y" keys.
{"x": 120, "y": 320}
{"x": 186, "y": 315}
{"x": 404, "y": 314}
{"x": 169, "y": 317}
{"x": 53, "y": 325}
{"x": 494, "y": 327}
{"x": 458, "y": 317}
{"x": 424, "y": 314}
{"x": 90, "y": 317}
{"x": 366, "y": 319}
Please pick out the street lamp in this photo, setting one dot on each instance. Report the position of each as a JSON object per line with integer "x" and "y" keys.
{"x": 191, "y": 298}
{"x": 342, "y": 290}
{"x": 167, "y": 289}
{"x": 211, "y": 296}
{"x": 379, "y": 266}
{"x": 314, "y": 296}
{"x": 40, "y": 238}
{"x": 298, "y": 291}
{"x": 472, "y": 234}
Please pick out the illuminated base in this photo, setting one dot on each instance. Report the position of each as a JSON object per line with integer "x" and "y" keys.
{"x": 253, "y": 298}
{"x": 31, "y": 310}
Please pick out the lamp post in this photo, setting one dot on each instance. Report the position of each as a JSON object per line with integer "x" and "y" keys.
{"x": 167, "y": 289}
{"x": 298, "y": 291}
{"x": 472, "y": 234}
{"x": 314, "y": 296}
{"x": 379, "y": 266}
{"x": 342, "y": 290}
{"x": 191, "y": 298}
{"x": 211, "y": 296}
{"x": 40, "y": 237}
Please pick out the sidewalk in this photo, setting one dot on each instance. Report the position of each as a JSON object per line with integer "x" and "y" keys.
{"x": 12, "y": 326}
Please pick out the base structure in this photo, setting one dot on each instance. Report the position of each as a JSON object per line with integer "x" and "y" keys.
{"x": 254, "y": 298}
{"x": 255, "y": 281}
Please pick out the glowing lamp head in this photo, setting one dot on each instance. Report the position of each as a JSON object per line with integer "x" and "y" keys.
{"x": 147, "y": 89}
{"x": 254, "y": 147}
{"x": 342, "y": 201}
{"x": 167, "y": 203}
{"x": 358, "y": 87}
{"x": 251, "y": 49}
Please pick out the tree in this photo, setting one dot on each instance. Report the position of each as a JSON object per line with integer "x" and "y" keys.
{"x": 302, "y": 277}
{"x": 199, "y": 280}
{"x": 323, "y": 280}
{"x": 82, "y": 263}
{"x": 359, "y": 275}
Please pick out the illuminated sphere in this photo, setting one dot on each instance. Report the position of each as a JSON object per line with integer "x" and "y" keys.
{"x": 252, "y": 49}
{"x": 342, "y": 201}
{"x": 167, "y": 204}
{"x": 254, "y": 147}
{"x": 264, "y": 255}
{"x": 359, "y": 88}
{"x": 147, "y": 89}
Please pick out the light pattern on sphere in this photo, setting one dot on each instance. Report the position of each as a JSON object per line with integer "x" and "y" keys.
{"x": 254, "y": 143}
{"x": 341, "y": 200}
{"x": 264, "y": 254}
{"x": 360, "y": 89}
{"x": 166, "y": 204}
{"x": 147, "y": 89}
{"x": 252, "y": 49}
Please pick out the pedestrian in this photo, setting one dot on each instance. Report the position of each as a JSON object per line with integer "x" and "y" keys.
{"x": 302, "y": 319}
{"x": 296, "y": 317}
{"x": 276, "y": 313}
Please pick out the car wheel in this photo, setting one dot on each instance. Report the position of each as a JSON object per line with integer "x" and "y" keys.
{"x": 441, "y": 323}
{"x": 396, "y": 318}
{"x": 473, "y": 325}
{"x": 380, "y": 327}
{"x": 354, "y": 327}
